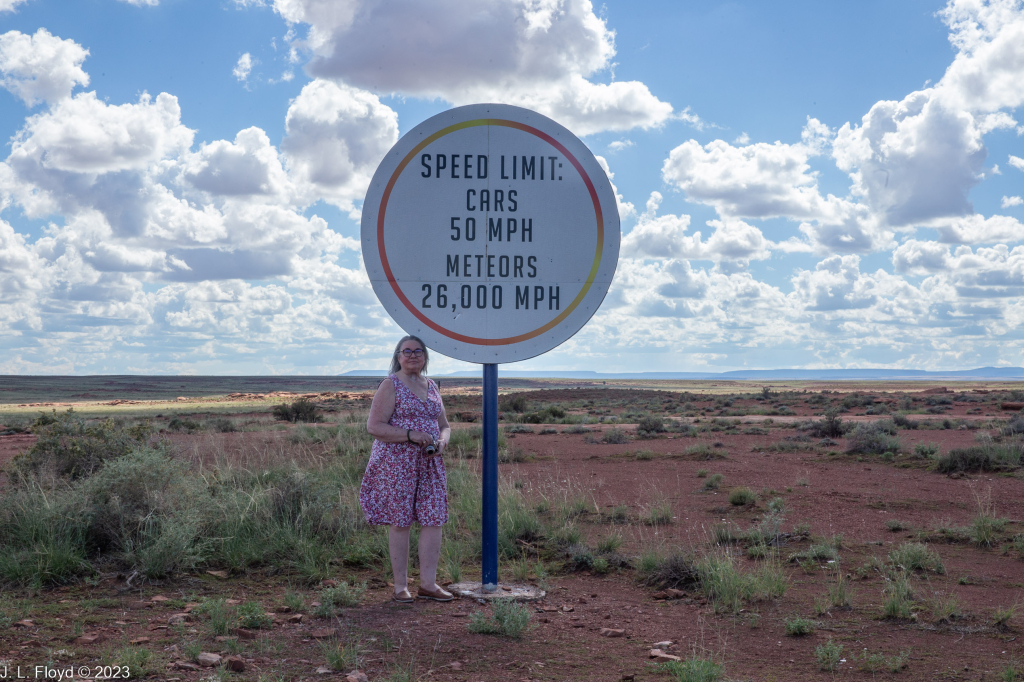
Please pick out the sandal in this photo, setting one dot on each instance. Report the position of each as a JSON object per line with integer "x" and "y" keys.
{"x": 440, "y": 594}
{"x": 403, "y": 597}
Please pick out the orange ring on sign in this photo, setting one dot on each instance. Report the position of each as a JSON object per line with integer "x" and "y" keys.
{"x": 391, "y": 277}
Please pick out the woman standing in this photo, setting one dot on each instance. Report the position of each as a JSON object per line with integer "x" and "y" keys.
{"x": 403, "y": 483}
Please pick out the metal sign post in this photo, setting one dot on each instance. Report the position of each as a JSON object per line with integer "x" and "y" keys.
{"x": 489, "y": 579}
{"x": 492, "y": 233}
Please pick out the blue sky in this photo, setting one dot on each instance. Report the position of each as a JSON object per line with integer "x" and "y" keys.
{"x": 184, "y": 196}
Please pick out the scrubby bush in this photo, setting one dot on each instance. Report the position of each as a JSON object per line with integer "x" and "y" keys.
{"x": 514, "y": 402}
{"x": 980, "y": 458}
{"x": 874, "y": 438}
{"x": 507, "y": 618}
{"x": 70, "y": 448}
{"x": 615, "y": 437}
{"x": 648, "y": 427}
{"x": 829, "y": 426}
{"x": 302, "y": 410}
{"x": 742, "y": 496}
{"x": 904, "y": 423}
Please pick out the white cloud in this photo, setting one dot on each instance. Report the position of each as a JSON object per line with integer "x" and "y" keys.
{"x": 1008, "y": 202}
{"x": 619, "y": 145}
{"x": 142, "y": 3}
{"x": 733, "y": 243}
{"x": 533, "y": 53}
{"x": 1017, "y": 162}
{"x": 10, "y": 5}
{"x": 41, "y": 67}
{"x": 243, "y": 67}
{"x": 976, "y": 229}
{"x": 754, "y": 181}
{"x": 249, "y": 166}
{"x": 336, "y": 136}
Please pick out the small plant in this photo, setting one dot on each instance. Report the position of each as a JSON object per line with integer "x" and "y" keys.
{"x": 875, "y": 662}
{"x": 702, "y": 452}
{"x": 926, "y": 450}
{"x": 644, "y": 455}
{"x": 1013, "y": 672}
{"x": 341, "y": 656}
{"x": 619, "y": 514}
{"x": 518, "y": 428}
{"x": 895, "y": 525}
{"x": 915, "y": 556}
{"x": 985, "y": 530}
{"x": 713, "y": 482}
{"x": 615, "y": 437}
{"x": 875, "y": 438}
{"x": 898, "y": 599}
{"x": 294, "y": 601}
{"x": 610, "y": 544}
{"x": 742, "y": 496}
{"x": 514, "y": 402}
{"x": 507, "y": 618}
{"x": 829, "y": 655}
{"x": 134, "y": 660}
{"x": 344, "y": 595}
{"x": 251, "y": 615}
{"x": 694, "y": 669}
{"x": 658, "y": 514}
{"x": 724, "y": 534}
{"x": 702, "y": 473}
{"x": 217, "y": 610}
{"x": 1002, "y": 617}
{"x": 946, "y": 608}
{"x": 798, "y": 627}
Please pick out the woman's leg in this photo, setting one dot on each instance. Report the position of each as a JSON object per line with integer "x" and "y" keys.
{"x": 398, "y": 547}
{"x": 430, "y": 551}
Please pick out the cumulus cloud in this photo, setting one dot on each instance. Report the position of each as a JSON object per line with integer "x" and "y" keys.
{"x": 1017, "y": 162}
{"x": 142, "y": 3}
{"x": 243, "y": 67}
{"x": 10, "y": 5}
{"x": 1009, "y": 202}
{"x": 41, "y": 67}
{"x": 336, "y": 136}
{"x": 754, "y": 181}
{"x": 538, "y": 54}
{"x": 733, "y": 243}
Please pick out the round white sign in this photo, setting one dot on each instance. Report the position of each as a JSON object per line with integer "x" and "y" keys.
{"x": 491, "y": 232}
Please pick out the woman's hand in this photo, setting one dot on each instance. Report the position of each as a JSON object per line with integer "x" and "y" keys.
{"x": 442, "y": 443}
{"x": 421, "y": 438}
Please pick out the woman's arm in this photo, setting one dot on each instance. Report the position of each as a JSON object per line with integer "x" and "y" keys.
{"x": 381, "y": 409}
{"x": 446, "y": 429}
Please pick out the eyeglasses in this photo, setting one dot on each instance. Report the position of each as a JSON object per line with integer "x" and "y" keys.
{"x": 408, "y": 352}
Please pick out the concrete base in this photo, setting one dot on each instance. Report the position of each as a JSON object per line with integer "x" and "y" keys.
{"x": 504, "y": 591}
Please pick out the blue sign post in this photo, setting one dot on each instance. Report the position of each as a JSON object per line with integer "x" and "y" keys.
{"x": 489, "y": 578}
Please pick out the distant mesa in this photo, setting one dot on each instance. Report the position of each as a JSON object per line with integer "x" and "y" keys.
{"x": 980, "y": 374}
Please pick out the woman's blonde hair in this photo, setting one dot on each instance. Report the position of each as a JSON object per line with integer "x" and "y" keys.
{"x": 396, "y": 367}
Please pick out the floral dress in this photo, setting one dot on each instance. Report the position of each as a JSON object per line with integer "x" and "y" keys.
{"x": 401, "y": 484}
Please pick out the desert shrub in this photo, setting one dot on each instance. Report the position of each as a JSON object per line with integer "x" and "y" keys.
{"x": 615, "y": 436}
{"x": 874, "y": 438}
{"x": 222, "y": 425}
{"x": 518, "y": 428}
{"x": 576, "y": 429}
{"x": 702, "y": 452}
{"x": 514, "y": 402}
{"x": 1015, "y": 426}
{"x": 726, "y": 587}
{"x": 302, "y": 410}
{"x": 798, "y": 627}
{"x": 915, "y": 556}
{"x": 829, "y": 426}
{"x": 545, "y": 416}
{"x": 178, "y": 424}
{"x": 902, "y": 422}
{"x": 980, "y": 458}
{"x": 898, "y": 599}
{"x": 43, "y": 537}
{"x": 742, "y": 496}
{"x": 926, "y": 450}
{"x": 252, "y": 615}
{"x": 713, "y": 482}
{"x": 344, "y": 595}
{"x": 148, "y": 507}
{"x": 895, "y": 525}
{"x": 676, "y": 569}
{"x": 507, "y": 618}
{"x": 828, "y": 655}
{"x": 648, "y": 427}
{"x": 694, "y": 669}
{"x": 70, "y": 448}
